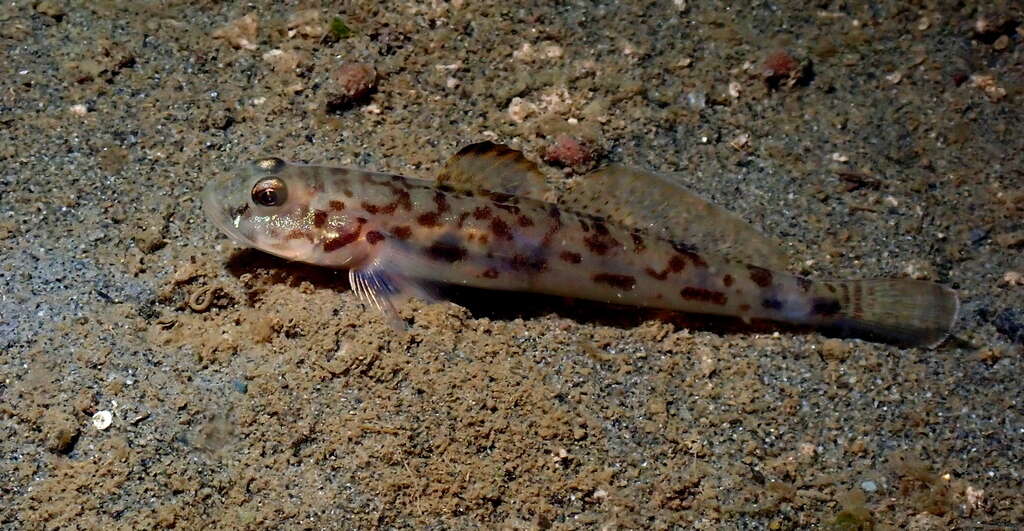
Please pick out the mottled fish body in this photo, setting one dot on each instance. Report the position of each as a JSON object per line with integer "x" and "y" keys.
{"x": 396, "y": 235}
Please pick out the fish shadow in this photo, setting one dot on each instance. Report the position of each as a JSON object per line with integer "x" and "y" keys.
{"x": 509, "y": 305}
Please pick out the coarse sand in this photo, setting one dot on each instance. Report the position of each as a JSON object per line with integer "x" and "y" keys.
{"x": 152, "y": 374}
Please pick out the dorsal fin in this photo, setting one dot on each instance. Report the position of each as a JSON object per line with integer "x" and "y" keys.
{"x": 494, "y": 167}
{"x": 649, "y": 201}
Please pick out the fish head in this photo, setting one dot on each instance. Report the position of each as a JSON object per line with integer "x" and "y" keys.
{"x": 266, "y": 205}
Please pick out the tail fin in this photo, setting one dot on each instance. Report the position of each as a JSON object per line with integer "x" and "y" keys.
{"x": 897, "y": 311}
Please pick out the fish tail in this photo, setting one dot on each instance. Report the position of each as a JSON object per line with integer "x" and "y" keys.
{"x": 897, "y": 311}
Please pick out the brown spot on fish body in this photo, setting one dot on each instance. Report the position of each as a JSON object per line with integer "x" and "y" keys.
{"x": 499, "y": 197}
{"x": 761, "y": 276}
{"x": 703, "y": 295}
{"x": 676, "y": 264}
{"x": 482, "y": 213}
{"x": 298, "y": 234}
{"x": 727, "y": 280}
{"x": 638, "y": 243}
{"x": 402, "y": 232}
{"x": 623, "y": 282}
{"x": 336, "y": 205}
{"x": 347, "y": 192}
{"x": 825, "y": 306}
{"x": 427, "y": 219}
{"x": 522, "y": 262}
{"x": 377, "y": 209}
{"x": 490, "y": 273}
{"x": 570, "y": 257}
{"x": 319, "y": 219}
{"x": 583, "y": 225}
{"x": 338, "y": 242}
{"x": 657, "y": 275}
{"x": 403, "y": 200}
{"x": 441, "y": 201}
{"x": 374, "y": 237}
{"x": 598, "y": 244}
{"x": 684, "y": 248}
{"x": 744, "y": 308}
{"x": 831, "y": 288}
{"x": 511, "y": 209}
{"x": 524, "y": 221}
{"x": 695, "y": 258}
{"x": 600, "y": 228}
{"x": 462, "y": 219}
{"x": 501, "y": 229}
{"x": 446, "y": 251}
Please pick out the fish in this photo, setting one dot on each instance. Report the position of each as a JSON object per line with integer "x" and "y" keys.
{"x": 619, "y": 235}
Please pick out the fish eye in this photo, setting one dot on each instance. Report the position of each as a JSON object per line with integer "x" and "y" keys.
{"x": 269, "y": 192}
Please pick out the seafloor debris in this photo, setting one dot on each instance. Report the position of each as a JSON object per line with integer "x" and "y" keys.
{"x": 239, "y": 33}
{"x": 350, "y": 84}
{"x": 570, "y": 152}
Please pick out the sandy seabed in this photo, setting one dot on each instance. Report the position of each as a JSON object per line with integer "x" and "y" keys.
{"x": 154, "y": 375}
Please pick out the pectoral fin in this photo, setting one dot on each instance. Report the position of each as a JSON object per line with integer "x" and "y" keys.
{"x": 383, "y": 285}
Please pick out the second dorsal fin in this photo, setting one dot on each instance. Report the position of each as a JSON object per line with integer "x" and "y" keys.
{"x": 649, "y": 201}
{"x": 494, "y": 167}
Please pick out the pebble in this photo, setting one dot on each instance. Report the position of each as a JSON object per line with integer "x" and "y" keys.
{"x": 102, "y": 420}
{"x": 1010, "y": 323}
{"x": 570, "y": 152}
{"x": 868, "y": 486}
{"x": 350, "y": 84}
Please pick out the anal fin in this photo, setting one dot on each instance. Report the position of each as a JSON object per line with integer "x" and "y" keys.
{"x": 494, "y": 167}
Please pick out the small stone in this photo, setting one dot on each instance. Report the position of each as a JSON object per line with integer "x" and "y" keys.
{"x": 1010, "y": 239}
{"x": 779, "y": 64}
{"x": 307, "y": 23}
{"x": 50, "y": 9}
{"x": 977, "y": 235}
{"x": 1001, "y": 43}
{"x": 975, "y": 497}
{"x": 868, "y": 486}
{"x": 569, "y": 152}
{"x": 102, "y": 420}
{"x": 1010, "y": 323}
{"x": 988, "y": 84}
{"x": 282, "y": 61}
{"x": 61, "y": 431}
{"x": 239, "y": 33}
{"x": 781, "y": 69}
{"x": 351, "y": 83}
{"x": 1013, "y": 278}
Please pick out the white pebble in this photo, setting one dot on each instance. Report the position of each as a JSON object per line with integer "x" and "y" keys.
{"x": 868, "y": 486}
{"x": 102, "y": 419}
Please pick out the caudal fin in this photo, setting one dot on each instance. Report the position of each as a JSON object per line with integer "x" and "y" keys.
{"x": 898, "y": 311}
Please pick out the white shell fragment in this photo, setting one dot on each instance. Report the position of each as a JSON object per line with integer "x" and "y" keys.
{"x": 102, "y": 419}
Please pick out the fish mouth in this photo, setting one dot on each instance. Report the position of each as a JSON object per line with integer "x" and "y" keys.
{"x": 219, "y": 212}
